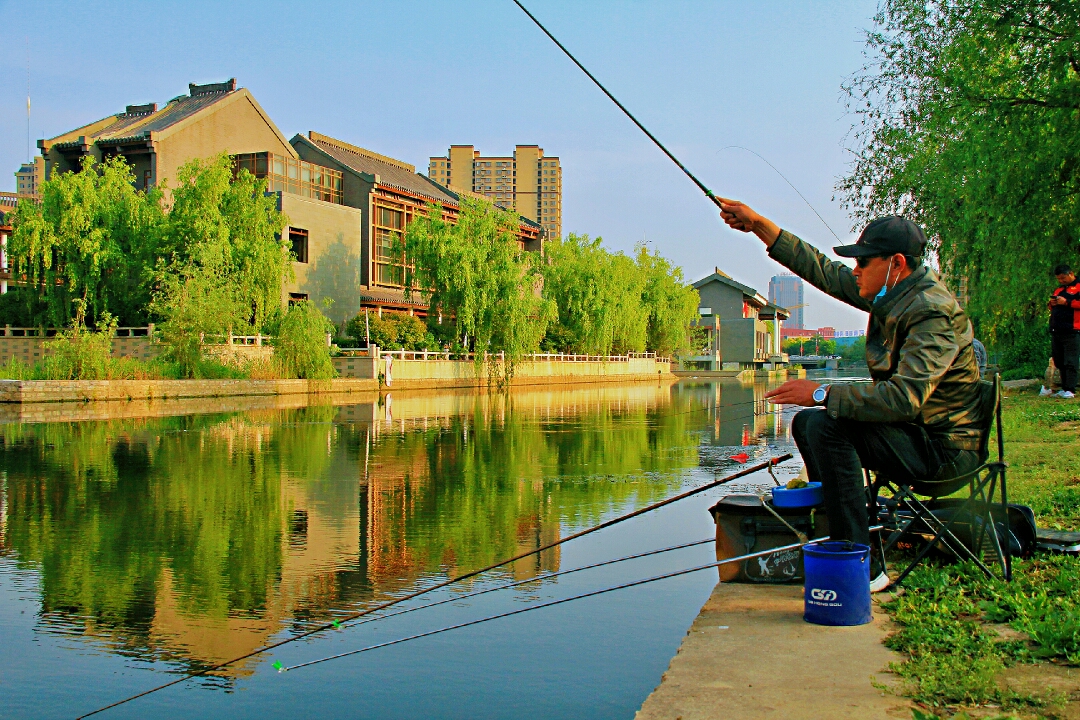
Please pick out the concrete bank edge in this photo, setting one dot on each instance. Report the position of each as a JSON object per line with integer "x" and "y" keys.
{"x": 50, "y": 391}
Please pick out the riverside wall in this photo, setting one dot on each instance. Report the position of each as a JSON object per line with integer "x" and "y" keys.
{"x": 357, "y": 375}
{"x": 439, "y": 373}
{"x": 45, "y": 391}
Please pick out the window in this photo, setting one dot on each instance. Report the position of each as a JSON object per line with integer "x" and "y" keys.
{"x": 298, "y": 238}
{"x": 297, "y": 298}
{"x": 286, "y": 174}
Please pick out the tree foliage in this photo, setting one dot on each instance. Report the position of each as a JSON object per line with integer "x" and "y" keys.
{"x": 970, "y": 125}
{"x": 598, "y": 297}
{"x": 223, "y": 260}
{"x": 88, "y": 243}
{"x": 476, "y": 271}
{"x": 670, "y": 304}
{"x": 300, "y": 345}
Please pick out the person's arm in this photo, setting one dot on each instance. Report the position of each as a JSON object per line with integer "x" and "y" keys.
{"x": 1073, "y": 297}
{"x": 926, "y": 355}
{"x": 830, "y": 276}
{"x": 802, "y": 258}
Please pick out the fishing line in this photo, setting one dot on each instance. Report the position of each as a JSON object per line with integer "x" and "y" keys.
{"x": 552, "y": 603}
{"x": 701, "y": 185}
{"x": 538, "y": 578}
{"x": 473, "y": 573}
{"x": 790, "y": 184}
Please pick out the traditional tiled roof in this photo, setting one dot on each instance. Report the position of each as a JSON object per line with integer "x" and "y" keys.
{"x": 725, "y": 279}
{"x": 137, "y": 122}
{"x": 392, "y": 173}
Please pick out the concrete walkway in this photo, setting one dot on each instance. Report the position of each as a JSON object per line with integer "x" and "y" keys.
{"x": 750, "y": 655}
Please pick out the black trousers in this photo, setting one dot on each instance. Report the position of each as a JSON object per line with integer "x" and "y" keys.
{"x": 836, "y": 451}
{"x": 1065, "y": 349}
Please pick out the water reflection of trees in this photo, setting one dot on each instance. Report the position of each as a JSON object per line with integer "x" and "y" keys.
{"x": 196, "y": 538}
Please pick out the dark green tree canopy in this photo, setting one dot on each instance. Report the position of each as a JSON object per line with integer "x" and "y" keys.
{"x": 969, "y": 123}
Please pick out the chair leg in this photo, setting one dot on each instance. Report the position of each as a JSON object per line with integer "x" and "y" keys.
{"x": 941, "y": 532}
{"x": 982, "y": 495}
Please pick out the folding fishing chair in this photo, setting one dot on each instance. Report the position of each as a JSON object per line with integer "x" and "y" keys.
{"x": 972, "y": 527}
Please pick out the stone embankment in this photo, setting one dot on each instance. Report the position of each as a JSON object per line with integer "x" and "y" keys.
{"x": 44, "y": 391}
{"x": 363, "y": 374}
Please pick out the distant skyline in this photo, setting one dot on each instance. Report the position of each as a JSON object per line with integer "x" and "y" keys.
{"x": 409, "y": 81}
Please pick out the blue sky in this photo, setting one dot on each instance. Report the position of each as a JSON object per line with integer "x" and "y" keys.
{"x": 408, "y": 79}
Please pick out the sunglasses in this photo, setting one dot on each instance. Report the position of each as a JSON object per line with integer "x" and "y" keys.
{"x": 864, "y": 262}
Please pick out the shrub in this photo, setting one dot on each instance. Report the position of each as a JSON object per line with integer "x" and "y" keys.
{"x": 300, "y": 347}
{"x": 80, "y": 354}
{"x": 393, "y": 331}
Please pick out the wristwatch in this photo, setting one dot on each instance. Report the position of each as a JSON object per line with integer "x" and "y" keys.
{"x": 821, "y": 394}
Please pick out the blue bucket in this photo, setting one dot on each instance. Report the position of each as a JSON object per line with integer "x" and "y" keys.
{"x": 837, "y": 589}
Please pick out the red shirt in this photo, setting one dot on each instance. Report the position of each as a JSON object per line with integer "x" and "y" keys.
{"x": 1067, "y": 316}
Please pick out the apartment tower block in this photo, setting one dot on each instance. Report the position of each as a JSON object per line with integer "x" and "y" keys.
{"x": 528, "y": 182}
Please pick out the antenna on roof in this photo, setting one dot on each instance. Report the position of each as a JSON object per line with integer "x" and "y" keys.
{"x": 28, "y": 156}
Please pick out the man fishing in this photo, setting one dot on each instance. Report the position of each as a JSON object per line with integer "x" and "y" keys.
{"x": 920, "y": 416}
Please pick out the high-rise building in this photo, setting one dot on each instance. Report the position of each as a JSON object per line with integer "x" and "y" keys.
{"x": 527, "y": 182}
{"x": 29, "y": 176}
{"x": 787, "y": 291}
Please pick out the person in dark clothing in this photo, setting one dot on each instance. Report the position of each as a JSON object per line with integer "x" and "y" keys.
{"x": 1065, "y": 329}
{"x": 921, "y": 417}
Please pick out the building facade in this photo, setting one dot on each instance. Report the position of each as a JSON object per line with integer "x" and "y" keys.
{"x": 787, "y": 291}
{"x": 346, "y": 206}
{"x": 29, "y": 176}
{"x": 527, "y": 182}
{"x": 742, "y": 328}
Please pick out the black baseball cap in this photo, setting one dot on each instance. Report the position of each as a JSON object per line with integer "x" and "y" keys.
{"x": 886, "y": 236}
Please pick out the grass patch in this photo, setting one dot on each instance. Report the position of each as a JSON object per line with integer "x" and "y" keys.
{"x": 137, "y": 369}
{"x": 962, "y": 632}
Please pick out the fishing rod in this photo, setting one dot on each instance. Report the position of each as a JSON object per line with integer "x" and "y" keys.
{"x": 552, "y": 603}
{"x": 538, "y": 578}
{"x": 473, "y": 573}
{"x": 593, "y": 593}
{"x": 701, "y": 186}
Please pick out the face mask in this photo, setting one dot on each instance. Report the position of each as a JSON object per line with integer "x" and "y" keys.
{"x": 884, "y": 288}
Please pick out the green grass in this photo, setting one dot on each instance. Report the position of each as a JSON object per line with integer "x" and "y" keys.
{"x": 126, "y": 369}
{"x": 951, "y": 618}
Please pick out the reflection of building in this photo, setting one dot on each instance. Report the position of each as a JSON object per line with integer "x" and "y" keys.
{"x": 346, "y": 206}
{"x": 739, "y": 415}
{"x": 742, "y": 328}
{"x": 526, "y": 181}
{"x": 787, "y": 291}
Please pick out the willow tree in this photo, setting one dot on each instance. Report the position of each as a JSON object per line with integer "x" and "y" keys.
{"x": 475, "y": 271}
{"x": 670, "y": 304}
{"x": 969, "y": 123}
{"x": 598, "y": 297}
{"x": 86, "y": 248}
{"x": 223, "y": 258}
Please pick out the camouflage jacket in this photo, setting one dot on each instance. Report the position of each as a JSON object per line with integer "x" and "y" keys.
{"x": 918, "y": 349}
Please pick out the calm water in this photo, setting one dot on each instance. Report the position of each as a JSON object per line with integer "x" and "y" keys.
{"x": 135, "y": 549}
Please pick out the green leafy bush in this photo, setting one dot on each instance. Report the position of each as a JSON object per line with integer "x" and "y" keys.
{"x": 393, "y": 331}
{"x": 300, "y": 347}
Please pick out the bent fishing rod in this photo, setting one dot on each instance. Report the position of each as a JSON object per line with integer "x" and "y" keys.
{"x": 473, "y": 573}
{"x": 701, "y": 186}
